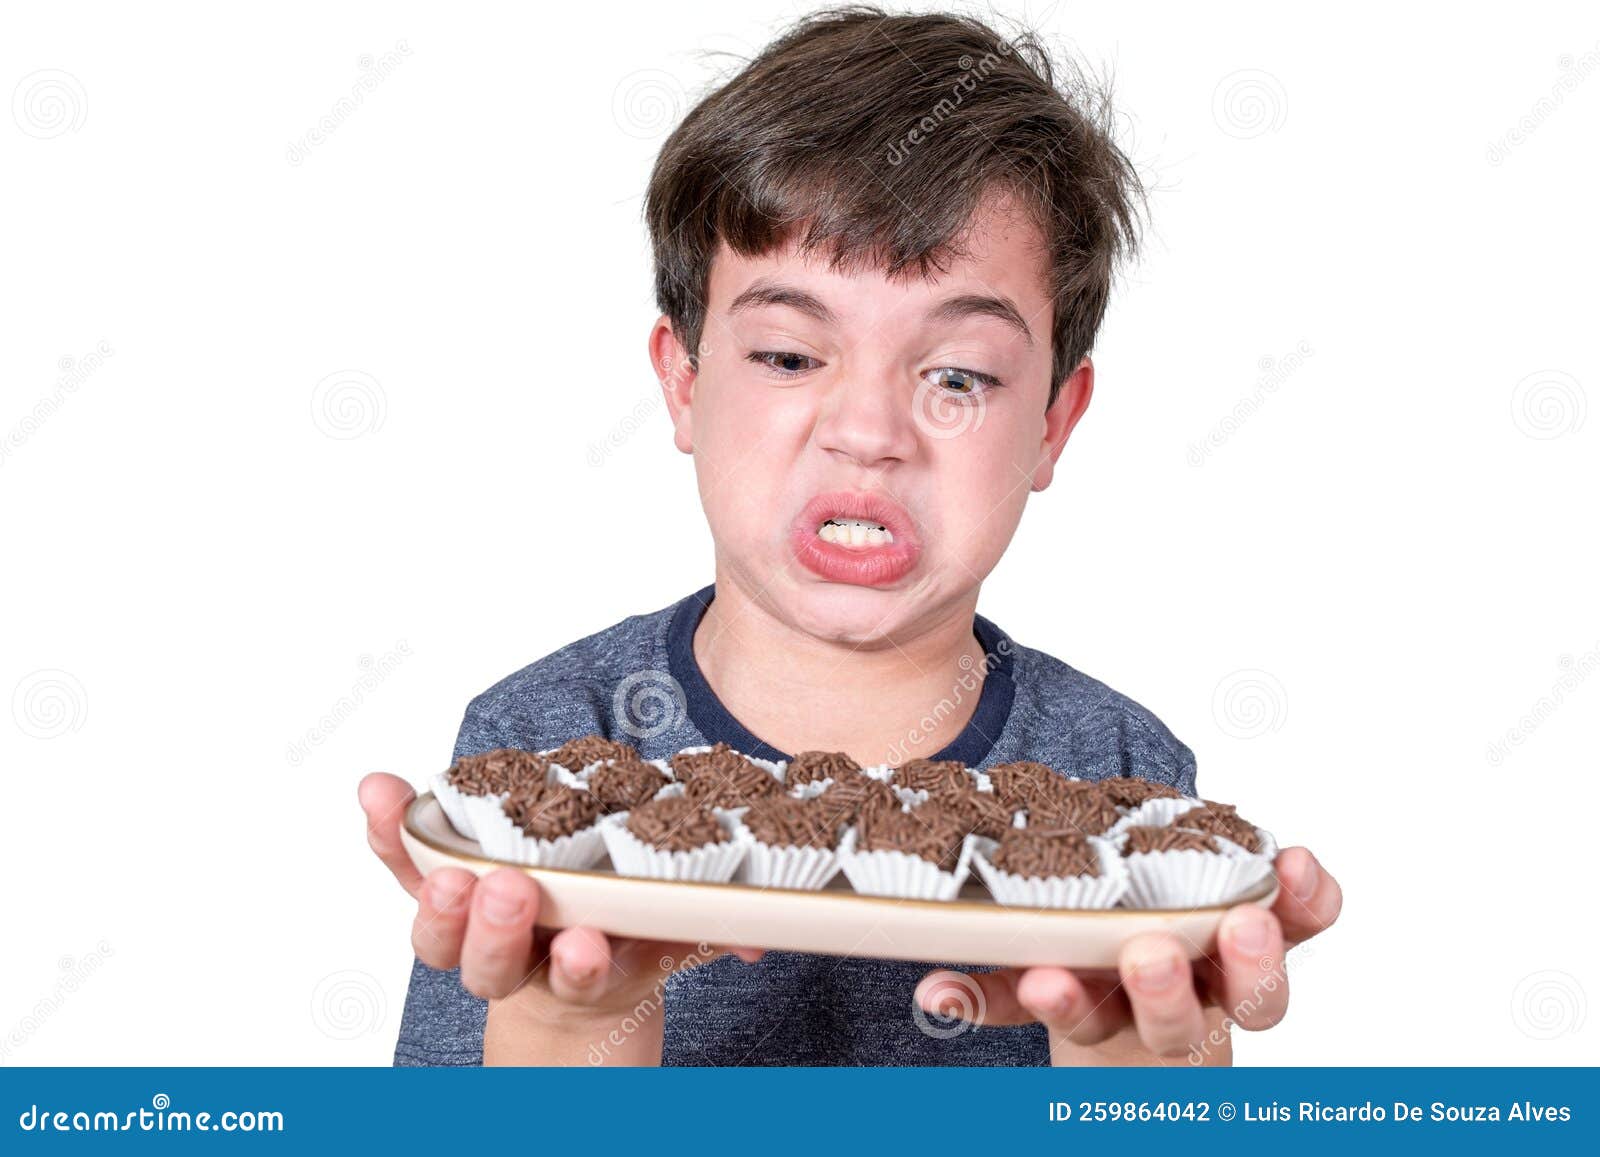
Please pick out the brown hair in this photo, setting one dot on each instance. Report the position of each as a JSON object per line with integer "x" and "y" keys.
{"x": 880, "y": 134}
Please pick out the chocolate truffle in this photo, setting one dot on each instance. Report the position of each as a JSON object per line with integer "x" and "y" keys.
{"x": 1090, "y": 812}
{"x": 933, "y": 775}
{"x": 810, "y": 766}
{"x": 1221, "y": 819}
{"x": 1046, "y": 853}
{"x": 548, "y": 812}
{"x": 1015, "y": 783}
{"x": 721, "y": 759}
{"x": 625, "y": 783}
{"x": 675, "y": 824}
{"x": 1144, "y": 838}
{"x": 850, "y": 798}
{"x": 782, "y": 821}
{"x": 735, "y": 786}
{"x": 498, "y": 771}
{"x": 577, "y": 754}
{"x": 929, "y": 833}
{"x": 977, "y": 811}
{"x": 1130, "y": 791}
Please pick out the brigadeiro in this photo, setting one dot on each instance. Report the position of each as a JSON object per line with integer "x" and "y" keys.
{"x": 577, "y": 754}
{"x": 547, "y": 825}
{"x": 491, "y": 775}
{"x": 1178, "y": 867}
{"x": 674, "y": 838}
{"x": 932, "y": 775}
{"x": 1018, "y": 782}
{"x": 979, "y": 812}
{"x": 921, "y": 854}
{"x": 793, "y": 843}
{"x": 1088, "y": 811}
{"x": 849, "y": 798}
{"x": 816, "y": 766}
{"x": 621, "y": 784}
{"x": 1130, "y": 791}
{"x": 1052, "y": 868}
{"x": 734, "y": 786}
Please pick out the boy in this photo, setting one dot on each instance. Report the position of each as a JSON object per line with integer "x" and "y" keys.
{"x": 882, "y": 254}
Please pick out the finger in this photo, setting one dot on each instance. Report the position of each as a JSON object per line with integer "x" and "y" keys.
{"x": 1160, "y": 987}
{"x": 443, "y": 901}
{"x": 976, "y": 998}
{"x": 1080, "y": 1009}
{"x": 385, "y": 798}
{"x": 496, "y": 955}
{"x": 1254, "y": 988}
{"x": 580, "y": 965}
{"x": 748, "y": 955}
{"x": 1309, "y": 899}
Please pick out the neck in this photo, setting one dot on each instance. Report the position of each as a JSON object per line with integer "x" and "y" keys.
{"x": 883, "y": 702}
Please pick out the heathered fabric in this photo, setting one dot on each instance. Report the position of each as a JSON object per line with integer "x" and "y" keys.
{"x": 791, "y": 1008}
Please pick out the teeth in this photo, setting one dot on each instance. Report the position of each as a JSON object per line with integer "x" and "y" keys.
{"x": 854, "y": 532}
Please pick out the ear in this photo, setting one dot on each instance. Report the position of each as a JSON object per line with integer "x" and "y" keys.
{"x": 1060, "y": 419}
{"x": 674, "y": 370}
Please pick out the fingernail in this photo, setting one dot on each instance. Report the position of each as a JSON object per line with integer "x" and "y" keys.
{"x": 1058, "y": 1004}
{"x": 582, "y": 975}
{"x": 500, "y": 904}
{"x": 1156, "y": 974}
{"x": 1306, "y": 884}
{"x": 1248, "y": 934}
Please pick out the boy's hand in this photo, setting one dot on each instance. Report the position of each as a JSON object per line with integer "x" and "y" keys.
{"x": 555, "y": 998}
{"x": 1155, "y": 994}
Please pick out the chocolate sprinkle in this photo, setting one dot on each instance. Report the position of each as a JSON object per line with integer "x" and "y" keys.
{"x": 977, "y": 811}
{"x": 929, "y": 833}
{"x": 810, "y": 766}
{"x": 933, "y": 776}
{"x": 783, "y": 821}
{"x": 626, "y": 783}
{"x": 1221, "y": 819}
{"x": 1090, "y": 812}
{"x": 1144, "y": 838}
{"x": 720, "y": 760}
{"x": 498, "y": 771}
{"x": 577, "y": 754}
{"x": 550, "y": 812}
{"x": 850, "y": 798}
{"x": 1129, "y": 791}
{"x": 675, "y": 824}
{"x": 1046, "y": 854}
{"x": 1015, "y": 783}
{"x": 737, "y": 786}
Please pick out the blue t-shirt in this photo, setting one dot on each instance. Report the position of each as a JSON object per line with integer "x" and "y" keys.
{"x": 638, "y": 681}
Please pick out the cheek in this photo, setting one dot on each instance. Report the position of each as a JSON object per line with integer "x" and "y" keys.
{"x": 983, "y": 488}
{"x": 743, "y": 446}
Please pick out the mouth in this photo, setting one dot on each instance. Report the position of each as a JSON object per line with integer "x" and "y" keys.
{"x": 857, "y": 537}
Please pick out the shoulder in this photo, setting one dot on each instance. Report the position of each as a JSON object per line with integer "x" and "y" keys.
{"x": 569, "y": 691}
{"x": 1081, "y": 724}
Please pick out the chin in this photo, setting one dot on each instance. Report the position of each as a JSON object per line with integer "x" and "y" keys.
{"x": 853, "y": 614}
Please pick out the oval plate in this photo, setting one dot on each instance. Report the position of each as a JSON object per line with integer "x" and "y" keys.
{"x": 971, "y": 929}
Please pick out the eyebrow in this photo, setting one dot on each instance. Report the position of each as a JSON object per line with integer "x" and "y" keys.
{"x": 954, "y": 309}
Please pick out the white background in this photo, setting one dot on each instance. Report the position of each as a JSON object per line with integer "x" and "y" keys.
{"x": 1341, "y": 600}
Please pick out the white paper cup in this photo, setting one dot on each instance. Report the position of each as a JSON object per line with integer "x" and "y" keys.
{"x": 1102, "y": 891}
{"x": 901, "y": 874}
{"x": 714, "y": 863}
{"x": 784, "y": 866}
{"x": 501, "y": 839}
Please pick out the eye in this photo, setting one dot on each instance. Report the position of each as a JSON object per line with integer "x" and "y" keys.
{"x": 784, "y": 365}
{"x": 960, "y": 381}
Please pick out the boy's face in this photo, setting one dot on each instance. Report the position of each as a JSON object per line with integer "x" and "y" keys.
{"x": 915, "y": 406}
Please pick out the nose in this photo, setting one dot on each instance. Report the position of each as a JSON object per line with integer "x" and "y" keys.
{"x": 867, "y": 416}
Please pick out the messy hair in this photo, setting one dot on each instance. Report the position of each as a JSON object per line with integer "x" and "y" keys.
{"x": 877, "y": 135}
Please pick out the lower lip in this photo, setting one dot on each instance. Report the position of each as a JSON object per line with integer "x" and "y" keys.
{"x": 866, "y": 566}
